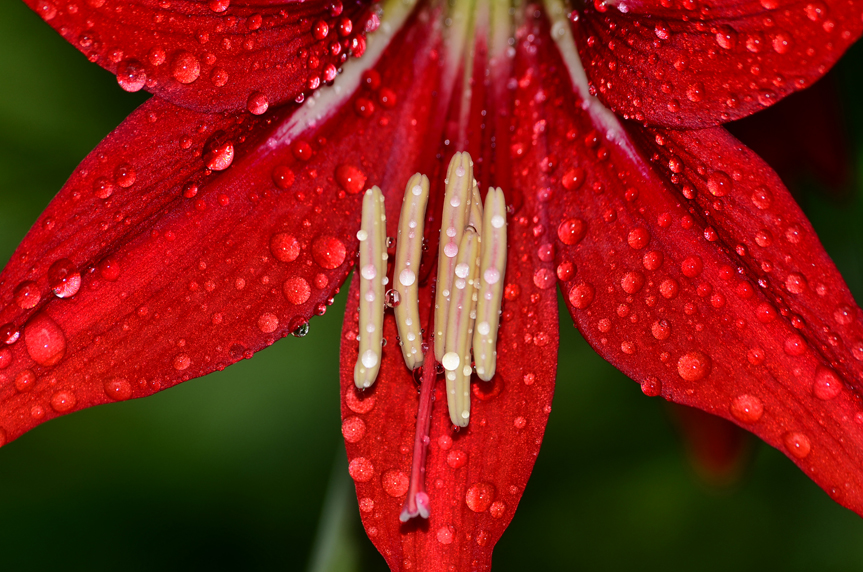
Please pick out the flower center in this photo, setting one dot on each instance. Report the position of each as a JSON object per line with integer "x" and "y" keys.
{"x": 468, "y": 292}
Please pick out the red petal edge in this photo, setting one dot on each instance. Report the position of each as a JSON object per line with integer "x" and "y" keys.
{"x": 696, "y": 274}
{"x": 217, "y": 55}
{"x": 697, "y": 64}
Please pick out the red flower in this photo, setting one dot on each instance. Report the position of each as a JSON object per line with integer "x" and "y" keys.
{"x": 221, "y": 216}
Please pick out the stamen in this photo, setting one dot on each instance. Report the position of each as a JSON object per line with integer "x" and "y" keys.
{"x": 490, "y": 284}
{"x": 459, "y": 330}
{"x": 406, "y": 273}
{"x": 373, "y": 277}
{"x": 459, "y": 184}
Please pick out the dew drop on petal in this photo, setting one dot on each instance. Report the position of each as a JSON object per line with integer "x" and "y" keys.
{"x": 257, "y": 103}
{"x": 296, "y": 290}
{"x": 118, "y": 389}
{"x": 395, "y": 483}
{"x": 353, "y": 429}
{"x": 63, "y": 401}
{"x": 367, "y": 504}
{"x": 359, "y": 402}
{"x": 544, "y": 278}
{"x": 719, "y": 183}
{"x": 64, "y": 278}
{"x": 26, "y": 295}
{"x": 185, "y": 68}
{"x": 797, "y": 444}
{"x": 747, "y": 408}
{"x": 456, "y": 458}
{"x": 328, "y": 251}
{"x": 361, "y": 470}
{"x": 25, "y": 380}
{"x": 268, "y": 323}
{"x": 571, "y": 231}
{"x": 827, "y": 384}
{"x": 283, "y": 177}
{"x": 445, "y": 534}
{"x": 131, "y": 75}
{"x": 350, "y": 178}
{"x": 284, "y": 247}
{"x": 181, "y": 362}
{"x": 581, "y": 295}
{"x": 45, "y": 341}
{"x": 479, "y": 496}
{"x": 693, "y": 366}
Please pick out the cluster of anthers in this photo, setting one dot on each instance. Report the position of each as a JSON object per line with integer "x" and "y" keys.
{"x": 468, "y": 292}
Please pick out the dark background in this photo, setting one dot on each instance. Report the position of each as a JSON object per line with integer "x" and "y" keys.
{"x": 231, "y": 471}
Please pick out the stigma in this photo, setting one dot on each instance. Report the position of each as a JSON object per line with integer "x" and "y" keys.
{"x": 468, "y": 291}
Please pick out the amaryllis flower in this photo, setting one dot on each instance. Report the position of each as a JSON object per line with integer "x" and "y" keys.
{"x": 225, "y": 212}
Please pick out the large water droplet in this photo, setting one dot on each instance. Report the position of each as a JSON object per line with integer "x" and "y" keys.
{"x": 747, "y": 408}
{"x": 268, "y": 323}
{"x": 445, "y": 534}
{"x": 797, "y": 444}
{"x": 456, "y": 458}
{"x": 63, "y": 401}
{"x": 297, "y": 290}
{"x": 350, "y": 178}
{"x": 693, "y": 366}
{"x": 353, "y": 429}
{"x": 118, "y": 389}
{"x": 328, "y": 251}
{"x": 581, "y": 295}
{"x": 479, "y": 496}
{"x": 571, "y": 231}
{"x": 44, "y": 340}
{"x": 284, "y": 247}
{"x": 27, "y": 295}
{"x": 544, "y": 278}
{"x": 185, "y": 68}
{"x": 395, "y": 483}
{"x": 827, "y": 384}
{"x": 257, "y": 103}
{"x": 64, "y": 279}
{"x": 358, "y": 401}
{"x": 25, "y": 380}
{"x": 131, "y": 75}
{"x": 361, "y": 470}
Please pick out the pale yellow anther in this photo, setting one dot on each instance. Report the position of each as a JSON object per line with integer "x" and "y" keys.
{"x": 459, "y": 330}
{"x": 457, "y": 200}
{"x": 372, "y": 277}
{"x": 490, "y": 284}
{"x": 406, "y": 272}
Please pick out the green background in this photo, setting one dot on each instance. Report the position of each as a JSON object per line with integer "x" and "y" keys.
{"x": 231, "y": 471}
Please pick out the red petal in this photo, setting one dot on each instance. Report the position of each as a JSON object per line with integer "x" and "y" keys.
{"x": 184, "y": 268}
{"x": 217, "y": 55}
{"x": 725, "y": 301}
{"x": 474, "y": 477}
{"x": 696, "y": 65}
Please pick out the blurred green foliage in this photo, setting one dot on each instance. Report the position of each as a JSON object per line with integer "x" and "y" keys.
{"x": 230, "y": 471}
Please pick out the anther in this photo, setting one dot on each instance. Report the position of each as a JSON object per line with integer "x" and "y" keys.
{"x": 459, "y": 330}
{"x": 406, "y": 273}
{"x": 459, "y": 187}
{"x": 490, "y": 284}
{"x": 372, "y": 276}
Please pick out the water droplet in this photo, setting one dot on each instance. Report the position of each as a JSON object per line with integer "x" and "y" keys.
{"x": 364, "y": 107}
{"x": 25, "y": 380}
{"x": 220, "y": 153}
{"x": 844, "y": 315}
{"x": 392, "y": 298}
{"x": 353, "y": 429}
{"x": 796, "y": 283}
{"x": 747, "y": 408}
{"x": 367, "y": 504}
{"x": 456, "y": 459}
{"x": 519, "y": 422}
{"x": 185, "y": 68}
{"x": 361, "y": 470}
{"x": 63, "y": 401}
{"x": 479, "y": 496}
{"x": 46, "y": 9}
{"x": 544, "y": 278}
{"x": 797, "y": 444}
{"x": 44, "y": 340}
{"x": 827, "y": 384}
{"x": 181, "y": 362}
{"x": 283, "y": 177}
{"x": 692, "y": 266}
{"x": 109, "y": 269}
{"x": 719, "y": 183}
{"x": 27, "y": 295}
{"x": 638, "y": 238}
{"x": 328, "y": 251}
{"x": 9, "y": 334}
{"x": 5, "y": 358}
{"x": 661, "y": 329}
{"x": 652, "y": 260}
{"x": 257, "y": 103}
{"x": 632, "y": 282}
{"x": 118, "y": 389}
{"x": 445, "y": 534}
{"x": 297, "y": 290}
{"x": 571, "y": 231}
{"x": 765, "y": 313}
{"x": 573, "y": 179}
{"x": 350, "y": 178}
{"x": 782, "y": 42}
{"x": 131, "y": 75}
{"x": 669, "y": 288}
{"x": 395, "y": 483}
{"x": 693, "y": 366}
{"x": 284, "y": 247}
{"x": 219, "y": 77}
{"x": 762, "y": 198}
{"x": 581, "y": 295}
{"x": 219, "y": 5}
{"x": 64, "y": 278}
{"x": 268, "y": 323}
